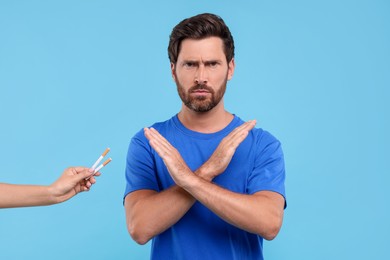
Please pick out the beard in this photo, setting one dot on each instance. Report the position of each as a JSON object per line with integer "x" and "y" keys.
{"x": 201, "y": 103}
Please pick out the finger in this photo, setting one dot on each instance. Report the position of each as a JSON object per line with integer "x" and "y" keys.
{"x": 159, "y": 141}
{"x": 163, "y": 147}
{"x": 233, "y": 140}
{"x": 237, "y": 131}
{"x": 160, "y": 150}
{"x": 241, "y": 136}
{"x": 238, "y": 139}
{"x": 79, "y": 169}
{"x": 152, "y": 133}
{"x": 251, "y": 124}
{"x": 147, "y": 133}
{"x": 85, "y": 173}
{"x": 92, "y": 180}
{"x": 246, "y": 127}
{"x": 88, "y": 184}
{"x": 84, "y": 188}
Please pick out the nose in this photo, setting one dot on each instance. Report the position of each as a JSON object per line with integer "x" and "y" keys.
{"x": 201, "y": 76}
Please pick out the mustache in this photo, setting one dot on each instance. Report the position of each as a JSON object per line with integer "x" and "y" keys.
{"x": 201, "y": 87}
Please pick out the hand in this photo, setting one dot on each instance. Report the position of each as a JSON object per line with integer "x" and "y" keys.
{"x": 72, "y": 182}
{"x": 175, "y": 164}
{"x": 214, "y": 166}
{"x": 222, "y": 156}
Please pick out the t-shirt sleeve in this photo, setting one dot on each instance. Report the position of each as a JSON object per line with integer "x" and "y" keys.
{"x": 140, "y": 166}
{"x": 269, "y": 169}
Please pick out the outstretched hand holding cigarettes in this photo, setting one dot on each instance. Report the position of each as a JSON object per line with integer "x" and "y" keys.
{"x": 72, "y": 181}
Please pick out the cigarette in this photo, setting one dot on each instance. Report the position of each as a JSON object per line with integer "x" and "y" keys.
{"x": 102, "y": 165}
{"x": 100, "y": 158}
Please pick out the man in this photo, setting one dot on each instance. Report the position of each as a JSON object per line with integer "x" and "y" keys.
{"x": 204, "y": 184}
{"x": 71, "y": 182}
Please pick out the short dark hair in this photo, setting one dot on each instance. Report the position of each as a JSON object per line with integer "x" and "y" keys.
{"x": 199, "y": 27}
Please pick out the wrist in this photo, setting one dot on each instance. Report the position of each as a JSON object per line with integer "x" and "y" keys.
{"x": 205, "y": 173}
{"x": 192, "y": 182}
{"x": 52, "y": 194}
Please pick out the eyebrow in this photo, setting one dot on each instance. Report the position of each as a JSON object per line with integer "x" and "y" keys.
{"x": 205, "y": 62}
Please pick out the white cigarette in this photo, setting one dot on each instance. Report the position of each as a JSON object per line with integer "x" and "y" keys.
{"x": 100, "y": 158}
{"x": 102, "y": 165}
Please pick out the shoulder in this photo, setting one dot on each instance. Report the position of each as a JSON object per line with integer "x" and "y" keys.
{"x": 264, "y": 137}
{"x": 259, "y": 135}
{"x": 268, "y": 147}
{"x": 161, "y": 127}
{"x": 261, "y": 141}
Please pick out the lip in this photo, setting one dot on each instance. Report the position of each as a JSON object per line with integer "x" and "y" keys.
{"x": 200, "y": 91}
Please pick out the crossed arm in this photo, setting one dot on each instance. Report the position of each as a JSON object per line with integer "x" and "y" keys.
{"x": 70, "y": 183}
{"x": 149, "y": 213}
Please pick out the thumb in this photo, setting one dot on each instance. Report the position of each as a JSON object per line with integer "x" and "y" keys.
{"x": 84, "y": 174}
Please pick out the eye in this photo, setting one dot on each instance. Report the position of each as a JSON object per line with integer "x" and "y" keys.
{"x": 189, "y": 65}
{"x": 213, "y": 64}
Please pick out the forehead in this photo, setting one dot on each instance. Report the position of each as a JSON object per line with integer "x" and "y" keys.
{"x": 205, "y": 49}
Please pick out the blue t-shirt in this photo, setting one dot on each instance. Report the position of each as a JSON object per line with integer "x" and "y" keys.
{"x": 257, "y": 165}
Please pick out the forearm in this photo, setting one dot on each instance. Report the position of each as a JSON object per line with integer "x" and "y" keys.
{"x": 12, "y": 195}
{"x": 260, "y": 213}
{"x": 149, "y": 213}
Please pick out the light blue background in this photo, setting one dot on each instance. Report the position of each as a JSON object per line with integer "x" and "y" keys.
{"x": 79, "y": 76}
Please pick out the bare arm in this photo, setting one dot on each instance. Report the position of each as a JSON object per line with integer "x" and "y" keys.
{"x": 260, "y": 213}
{"x": 149, "y": 213}
{"x": 71, "y": 182}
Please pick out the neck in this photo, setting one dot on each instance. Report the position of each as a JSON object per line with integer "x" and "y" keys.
{"x": 205, "y": 122}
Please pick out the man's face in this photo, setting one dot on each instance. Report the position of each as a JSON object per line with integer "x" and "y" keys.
{"x": 201, "y": 73}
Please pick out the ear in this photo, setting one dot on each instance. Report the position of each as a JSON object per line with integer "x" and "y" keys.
{"x": 231, "y": 67}
{"x": 173, "y": 71}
